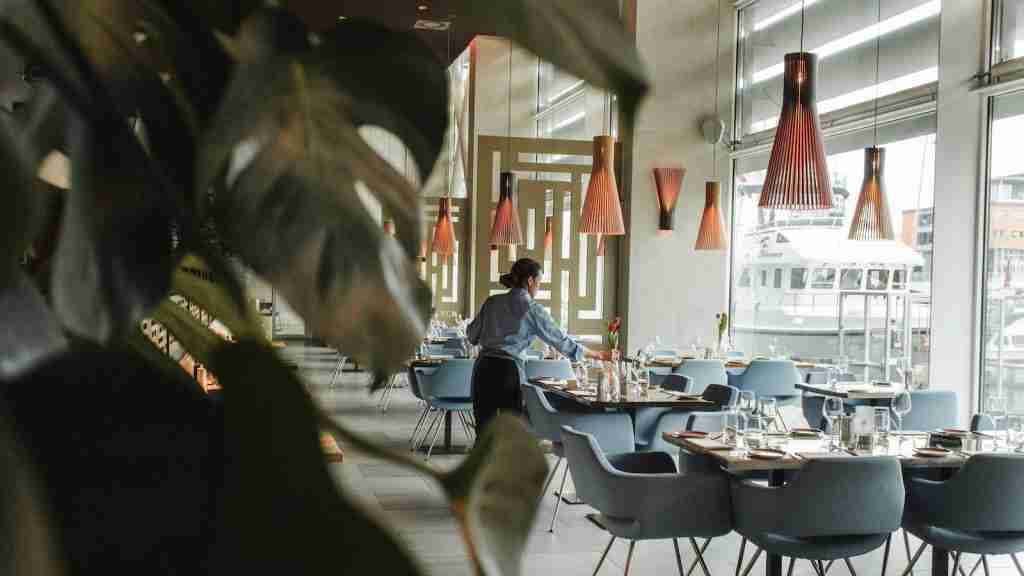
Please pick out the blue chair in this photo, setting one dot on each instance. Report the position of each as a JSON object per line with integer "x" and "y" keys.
{"x": 703, "y": 373}
{"x": 645, "y": 419}
{"x": 561, "y": 369}
{"x": 834, "y": 508}
{"x": 671, "y": 421}
{"x": 448, "y": 389}
{"x": 931, "y": 410}
{"x": 641, "y": 497}
{"x": 613, "y": 429}
{"x": 771, "y": 379}
{"x": 977, "y": 511}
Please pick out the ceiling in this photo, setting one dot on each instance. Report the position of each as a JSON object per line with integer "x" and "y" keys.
{"x": 397, "y": 14}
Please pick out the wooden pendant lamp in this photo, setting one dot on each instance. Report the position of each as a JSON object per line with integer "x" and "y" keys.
{"x": 667, "y": 183}
{"x": 602, "y": 213}
{"x": 444, "y": 231}
{"x": 711, "y": 235}
{"x": 505, "y": 231}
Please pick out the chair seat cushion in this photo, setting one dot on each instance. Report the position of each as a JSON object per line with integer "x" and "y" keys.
{"x": 967, "y": 541}
{"x": 643, "y": 462}
{"x": 452, "y": 403}
{"x": 819, "y": 547}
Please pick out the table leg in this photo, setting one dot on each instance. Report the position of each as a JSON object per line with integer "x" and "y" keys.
{"x": 448, "y": 432}
{"x": 773, "y": 562}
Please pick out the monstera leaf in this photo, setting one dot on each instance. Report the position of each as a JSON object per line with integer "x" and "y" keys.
{"x": 284, "y": 154}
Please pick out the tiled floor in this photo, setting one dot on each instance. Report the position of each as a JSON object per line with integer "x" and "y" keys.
{"x": 415, "y": 507}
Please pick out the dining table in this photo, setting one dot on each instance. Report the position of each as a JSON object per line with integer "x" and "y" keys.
{"x": 655, "y": 398}
{"x": 854, "y": 390}
{"x": 797, "y": 448}
{"x": 730, "y": 363}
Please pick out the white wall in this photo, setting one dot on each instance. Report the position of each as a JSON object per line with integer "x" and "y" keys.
{"x": 673, "y": 291}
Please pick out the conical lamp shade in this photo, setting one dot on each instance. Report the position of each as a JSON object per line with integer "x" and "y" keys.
{"x": 602, "y": 243}
{"x": 871, "y": 220}
{"x": 797, "y": 177}
{"x": 711, "y": 235}
{"x": 549, "y": 238}
{"x": 667, "y": 182}
{"x": 444, "y": 232}
{"x": 602, "y": 213}
{"x": 506, "y": 230}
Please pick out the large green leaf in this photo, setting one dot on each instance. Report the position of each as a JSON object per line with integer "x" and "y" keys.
{"x": 584, "y": 37}
{"x": 282, "y": 512}
{"x": 221, "y": 296}
{"x": 286, "y": 151}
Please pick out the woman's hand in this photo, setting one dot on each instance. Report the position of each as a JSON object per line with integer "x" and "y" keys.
{"x": 603, "y": 355}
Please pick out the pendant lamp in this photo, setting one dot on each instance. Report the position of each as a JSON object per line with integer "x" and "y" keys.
{"x": 444, "y": 232}
{"x": 871, "y": 219}
{"x": 712, "y": 234}
{"x": 602, "y": 213}
{"x": 667, "y": 182}
{"x": 549, "y": 238}
{"x": 798, "y": 176}
{"x": 601, "y": 245}
{"x": 506, "y": 230}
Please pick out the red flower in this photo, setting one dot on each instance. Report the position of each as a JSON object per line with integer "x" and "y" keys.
{"x": 613, "y": 328}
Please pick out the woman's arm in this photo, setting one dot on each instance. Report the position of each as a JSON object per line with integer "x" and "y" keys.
{"x": 550, "y": 333}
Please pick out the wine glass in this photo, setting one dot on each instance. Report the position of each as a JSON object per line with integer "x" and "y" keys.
{"x": 843, "y": 365}
{"x": 833, "y": 409}
{"x": 901, "y": 407}
{"x": 995, "y": 408}
{"x": 747, "y": 404}
{"x": 1015, "y": 432}
{"x": 767, "y": 408}
{"x": 773, "y": 345}
{"x": 882, "y": 426}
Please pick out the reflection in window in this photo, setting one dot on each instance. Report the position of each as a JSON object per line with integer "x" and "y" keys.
{"x": 878, "y": 279}
{"x": 777, "y": 281}
{"x": 764, "y": 278}
{"x": 899, "y": 279}
{"x": 798, "y": 278}
{"x": 745, "y": 278}
{"x": 1009, "y": 33}
{"x": 824, "y": 279}
{"x": 851, "y": 279}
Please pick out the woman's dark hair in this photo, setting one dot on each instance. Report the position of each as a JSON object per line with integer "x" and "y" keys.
{"x": 521, "y": 272}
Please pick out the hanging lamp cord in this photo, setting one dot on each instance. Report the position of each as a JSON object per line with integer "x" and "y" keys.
{"x": 508, "y": 160}
{"x": 803, "y": 6}
{"x": 878, "y": 64}
{"x": 718, "y": 43}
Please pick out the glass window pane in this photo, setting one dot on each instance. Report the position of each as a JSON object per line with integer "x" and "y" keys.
{"x": 744, "y": 278}
{"x": 1009, "y": 29}
{"x": 777, "y": 281}
{"x": 851, "y": 279}
{"x": 1003, "y": 328}
{"x": 824, "y": 278}
{"x": 878, "y": 279}
{"x": 843, "y": 35}
{"x": 798, "y": 278}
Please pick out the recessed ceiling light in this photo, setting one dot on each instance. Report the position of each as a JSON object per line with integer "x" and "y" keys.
{"x": 423, "y": 7}
{"x": 342, "y": 18}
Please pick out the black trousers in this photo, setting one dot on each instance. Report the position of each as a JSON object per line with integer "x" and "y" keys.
{"x": 495, "y": 390}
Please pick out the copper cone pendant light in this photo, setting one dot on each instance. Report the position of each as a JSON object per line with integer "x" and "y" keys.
{"x": 798, "y": 176}
{"x": 602, "y": 213}
{"x": 444, "y": 232}
{"x": 549, "y": 238}
{"x": 667, "y": 182}
{"x": 506, "y": 230}
{"x": 712, "y": 234}
{"x": 871, "y": 220}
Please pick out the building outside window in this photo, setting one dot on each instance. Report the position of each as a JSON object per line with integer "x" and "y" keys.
{"x": 844, "y": 275}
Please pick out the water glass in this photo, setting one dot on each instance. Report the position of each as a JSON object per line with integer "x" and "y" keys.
{"x": 833, "y": 409}
{"x": 730, "y": 427}
{"x": 843, "y": 365}
{"x": 995, "y": 408}
{"x": 882, "y": 426}
{"x": 901, "y": 407}
{"x": 1015, "y": 431}
{"x": 747, "y": 403}
{"x": 767, "y": 408}
{"x": 754, "y": 435}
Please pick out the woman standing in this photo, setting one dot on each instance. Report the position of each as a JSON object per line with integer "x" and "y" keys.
{"x": 505, "y": 328}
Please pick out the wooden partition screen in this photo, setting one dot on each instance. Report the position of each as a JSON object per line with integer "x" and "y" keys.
{"x": 447, "y": 278}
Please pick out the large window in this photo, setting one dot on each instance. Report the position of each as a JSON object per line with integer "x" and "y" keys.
{"x": 869, "y": 301}
{"x": 1008, "y": 30}
{"x": 1003, "y": 331}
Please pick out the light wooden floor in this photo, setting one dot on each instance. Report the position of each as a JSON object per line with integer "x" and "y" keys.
{"x": 416, "y": 510}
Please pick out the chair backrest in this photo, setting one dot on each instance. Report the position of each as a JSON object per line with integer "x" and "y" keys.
{"x": 703, "y": 373}
{"x": 584, "y": 457}
{"x": 931, "y": 409}
{"x": 982, "y": 423}
{"x": 843, "y": 496}
{"x": 453, "y": 379}
{"x": 776, "y": 378}
{"x": 982, "y": 497}
{"x": 812, "y": 405}
{"x": 543, "y": 417}
{"x": 561, "y": 368}
{"x": 722, "y": 394}
{"x": 677, "y": 382}
{"x": 816, "y": 377}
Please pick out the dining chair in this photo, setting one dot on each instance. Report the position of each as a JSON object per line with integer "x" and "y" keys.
{"x": 834, "y": 508}
{"x": 674, "y": 420}
{"x": 641, "y": 497}
{"x": 559, "y": 369}
{"x": 976, "y": 511}
{"x": 613, "y": 429}
{"x": 931, "y": 410}
{"x": 448, "y": 389}
{"x": 702, "y": 373}
{"x": 645, "y": 420}
{"x": 771, "y": 379}
{"x": 339, "y": 369}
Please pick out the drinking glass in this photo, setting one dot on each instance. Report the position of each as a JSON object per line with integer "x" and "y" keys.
{"x": 843, "y": 365}
{"x": 747, "y": 404}
{"x": 995, "y": 408}
{"x": 730, "y": 426}
{"x": 882, "y": 426}
{"x": 901, "y": 407}
{"x": 1015, "y": 432}
{"x": 833, "y": 409}
{"x": 754, "y": 435}
{"x": 766, "y": 408}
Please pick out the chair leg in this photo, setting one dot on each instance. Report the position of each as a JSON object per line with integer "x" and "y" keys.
{"x": 415, "y": 431}
{"x": 789, "y": 572}
{"x": 1017, "y": 564}
{"x": 827, "y": 567}
{"x": 817, "y": 569}
{"x": 977, "y": 564}
{"x": 551, "y": 476}
{"x": 984, "y": 564}
{"x": 554, "y": 515}
{"x": 739, "y": 562}
{"x": 849, "y": 566}
{"x": 603, "y": 556}
{"x": 679, "y": 557}
{"x": 956, "y": 562}
{"x": 700, "y": 557}
{"x": 426, "y": 431}
{"x": 913, "y": 561}
{"x": 906, "y": 544}
{"x": 693, "y": 565}
{"x": 629, "y": 556}
{"x": 885, "y": 555}
{"x": 757, "y": 554}
{"x": 437, "y": 431}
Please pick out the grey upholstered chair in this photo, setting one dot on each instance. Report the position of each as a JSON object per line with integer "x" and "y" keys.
{"x": 702, "y": 373}
{"x": 671, "y": 421}
{"x": 641, "y": 497}
{"x": 448, "y": 389}
{"x": 646, "y": 419}
{"x": 977, "y": 511}
{"x": 931, "y": 410}
{"x": 613, "y": 430}
{"x": 834, "y": 508}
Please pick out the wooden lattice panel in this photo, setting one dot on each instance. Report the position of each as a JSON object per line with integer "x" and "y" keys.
{"x": 447, "y": 279}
